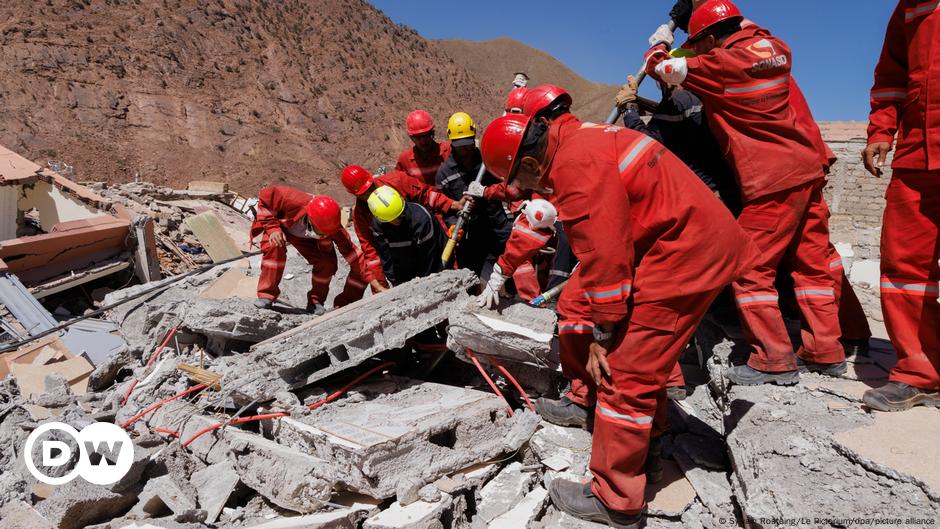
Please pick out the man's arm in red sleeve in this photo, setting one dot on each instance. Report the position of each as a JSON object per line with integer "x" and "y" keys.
{"x": 370, "y": 256}
{"x": 268, "y": 205}
{"x": 350, "y": 252}
{"x": 523, "y": 244}
{"x": 502, "y": 192}
{"x": 415, "y": 190}
{"x": 891, "y": 77}
{"x": 595, "y": 211}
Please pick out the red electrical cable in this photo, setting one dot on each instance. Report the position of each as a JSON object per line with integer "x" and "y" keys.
{"x": 488, "y": 379}
{"x": 277, "y": 415}
{"x": 137, "y": 417}
{"x": 512, "y": 379}
{"x": 153, "y": 357}
{"x": 127, "y": 394}
{"x": 173, "y": 433}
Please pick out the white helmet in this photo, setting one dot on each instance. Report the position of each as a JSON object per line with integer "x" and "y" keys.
{"x": 540, "y": 213}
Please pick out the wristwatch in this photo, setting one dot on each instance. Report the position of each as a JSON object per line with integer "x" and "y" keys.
{"x": 601, "y": 336}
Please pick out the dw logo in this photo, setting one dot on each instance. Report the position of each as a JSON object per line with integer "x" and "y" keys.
{"x": 105, "y": 453}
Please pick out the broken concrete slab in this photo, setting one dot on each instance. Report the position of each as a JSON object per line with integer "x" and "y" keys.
{"x": 348, "y": 336}
{"x": 672, "y": 495}
{"x": 236, "y": 282}
{"x": 217, "y": 243}
{"x": 911, "y": 456}
{"x": 396, "y": 429}
{"x": 214, "y": 484}
{"x": 418, "y": 515}
{"x": 79, "y": 503}
{"x": 520, "y": 333}
{"x": 562, "y": 449}
{"x": 338, "y": 519}
{"x": 503, "y": 492}
{"x": 162, "y": 494}
{"x": 524, "y": 512}
{"x": 21, "y": 515}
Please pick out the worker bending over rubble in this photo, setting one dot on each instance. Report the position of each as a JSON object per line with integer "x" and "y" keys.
{"x": 489, "y": 226}
{"x": 905, "y": 100}
{"x": 742, "y": 76}
{"x": 360, "y": 183}
{"x": 425, "y": 157}
{"x": 655, "y": 247}
{"x": 312, "y": 225}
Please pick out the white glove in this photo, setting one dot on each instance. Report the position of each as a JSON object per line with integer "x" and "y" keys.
{"x": 475, "y": 189}
{"x": 673, "y": 71}
{"x": 489, "y": 299}
{"x": 663, "y": 35}
{"x": 521, "y": 80}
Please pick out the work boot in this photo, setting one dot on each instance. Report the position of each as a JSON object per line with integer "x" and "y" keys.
{"x": 898, "y": 396}
{"x": 316, "y": 309}
{"x": 654, "y": 461}
{"x": 577, "y": 500}
{"x": 676, "y": 393}
{"x": 855, "y": 347}
{"x": 830, "y": 370}
{"x": 264, "y": 303}
{"x": 745, "y": 375}
{"x": 563, "y": 412}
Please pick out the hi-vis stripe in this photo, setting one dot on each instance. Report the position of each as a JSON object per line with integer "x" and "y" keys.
{"x": 527, "y": 267}
{"x": 576, "y": 327}
{"x": 374, "y": 262}
{"x": 268, "y": 263}
{"x": 914, "y": 289}
{"x": 920, "y": 10}
{"x": 757, "y": 299}
{"x": 642, "y": 422}
{"x": 889, "y": 94}
{"x": 835, "y": 264}
{"x": 814, "y": 292}
{"x": 609, "y": 294}
{"x": 634, "y": 152}
{"x": 757, "y": 87}
{"x": 530, "y": 233}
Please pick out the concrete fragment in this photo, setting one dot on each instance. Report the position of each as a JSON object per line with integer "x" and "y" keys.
{"x": 418, "y": 515}
{"x": 79, "y": 503}
{"x": 161, "y": 494}
{"x": 520, "y": 333}
{"x": 214, "y": 484}
{"x": 562, "y": 449}
{"x": 350, "y": 335}
{"x": 504, "y": 492}
{"x": 217, "y": 243}
{"x": 397, "y": 428}
{"x": 429, "y": 493}
{"x": 711, "y": 487}
{"x": 671, "y": 496}
{"x": 523, "y": 513}
{"x": 20, "y": 515}
{"x": 406, "y": 492}
{"x": 338, "y": 519}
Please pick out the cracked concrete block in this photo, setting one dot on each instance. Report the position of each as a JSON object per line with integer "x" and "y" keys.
{"x": 503, "y": 492}
{"x": 79, "y": 503}
{"x": 712, "y": 487}
{"x": 672, "y": 495}
{"x": 237, "y": 319}
{"x": 562, "y": 449}
{"x": 418, "y": 515}
{"x": 339, "y": 519}
{"x": 348, "y": 336}
{"x": 395, "y": 429}
{"x": 164, "y": 493}
{"x": 519, "y": 333}
{"x": 214, "y": 484}
{"x": 524, "y": 512}
{"x": 20, "y": 515}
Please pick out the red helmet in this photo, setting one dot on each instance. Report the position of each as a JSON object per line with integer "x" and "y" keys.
{"x": 501, "y": 142}
{"x": 323, "y": 214}
{"x": 356, "y": 180}
{"x": 710, "y": 13}
{"x": 516, "y": 100}
{"x": 419, "y": 122}
{"x": 542, "y": 96}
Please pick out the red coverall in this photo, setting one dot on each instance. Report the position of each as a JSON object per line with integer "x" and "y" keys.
{"x": 423, "y": 168}
{"x": 279, "y": 209}
{"x": 413, "y": 190}
{"x": 522, "y": 248}
{"x": 745, "y": 86}
{"x": 905, "y": 99}
{"x": 656, "y": 247}
{"x": 852, "y": 319}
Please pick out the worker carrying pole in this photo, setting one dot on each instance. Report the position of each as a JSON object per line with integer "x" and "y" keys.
{"x": 663, "y": 35}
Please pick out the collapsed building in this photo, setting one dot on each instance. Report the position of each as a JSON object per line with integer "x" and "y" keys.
{"x": 253, "y": 418}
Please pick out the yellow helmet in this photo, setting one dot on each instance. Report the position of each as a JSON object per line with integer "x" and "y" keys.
{"x": 460, "y": 126}
{"x": 386, "y": 204}
{"x": 682, "y": 52}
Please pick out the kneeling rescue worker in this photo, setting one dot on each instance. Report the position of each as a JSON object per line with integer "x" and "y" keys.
{"x": 656, "y": 247}
{"x": 312, "y": 225}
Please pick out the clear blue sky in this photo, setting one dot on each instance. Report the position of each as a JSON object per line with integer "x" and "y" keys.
{"x": 835, "y": 43}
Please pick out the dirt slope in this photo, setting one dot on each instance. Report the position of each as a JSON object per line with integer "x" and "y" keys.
{"x": 494, "y": 62}
{"x": 244, "y": 91}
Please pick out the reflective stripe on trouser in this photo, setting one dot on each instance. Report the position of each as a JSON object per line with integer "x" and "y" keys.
{"x": 631, "y": 406}
{"x": 910, "y": 247}
{"x": 575, "y": 334}
{"x": 273, "y": 260}
{"x": 527, "y": 282}
{"x": 321, "y": 254}
{"x": 852, "y": 319}
{"x": 790, "y": 227}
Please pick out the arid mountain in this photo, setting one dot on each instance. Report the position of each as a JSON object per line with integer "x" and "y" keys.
{"x": 494, "y": 62}
{"x": 250, "y": 92}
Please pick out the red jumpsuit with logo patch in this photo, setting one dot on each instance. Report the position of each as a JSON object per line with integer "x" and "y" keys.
{"x": 411, "y": 189}
{"x": 424, "y": 168}
{"x": 656, "y": 247}
{"x": 745, "y": 87}
{"x": 905, "y": 100}
{"x": 282, "y": 208}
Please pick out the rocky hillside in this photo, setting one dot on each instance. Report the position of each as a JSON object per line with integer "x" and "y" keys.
{"x": 494, "y": 61}
{"x": 250, "y": 92}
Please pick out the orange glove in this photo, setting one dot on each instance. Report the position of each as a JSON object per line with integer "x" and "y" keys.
{"x": 450, "y": 232}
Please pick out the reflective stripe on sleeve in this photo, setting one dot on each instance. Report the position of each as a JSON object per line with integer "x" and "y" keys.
{"x": 757, "y": 87}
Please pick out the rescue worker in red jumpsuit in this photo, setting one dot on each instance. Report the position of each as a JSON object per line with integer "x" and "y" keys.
{"x": 656, "y": 247}
{"x": 312, "y": 225}
{"x": 852, "y": 319}
{"x": 425, "y": 157}
{"x": 743, "y": 79}
{"x": 905, "y": 100}
{"x": 361, "y": 184}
